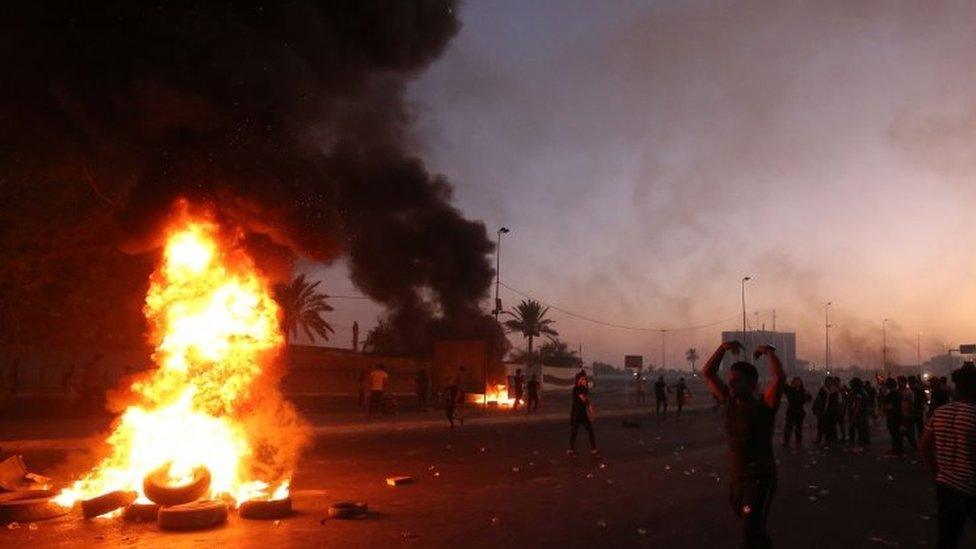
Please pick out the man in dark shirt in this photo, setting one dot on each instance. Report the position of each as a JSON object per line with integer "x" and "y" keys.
{"x": 921, "y": 403}
{"x": 891, "y": 403}
{"x": 858, "y": 410}
{"x": 940, "y": 395}
{"x": 871, "y": 401}
{"x": 452, "y": 394}
{"x": 749, "y": 429}
{"x": 796, "y": 397}
{"x": 533, "y": 387}
{"x": 581, "y": 413}
{"x": 681, "y": 394}
{"x": 660, "y": 397}
{"x": 518, "y": 381}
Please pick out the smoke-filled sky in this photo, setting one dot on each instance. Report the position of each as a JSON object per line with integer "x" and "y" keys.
{"x": 648, "y": 155}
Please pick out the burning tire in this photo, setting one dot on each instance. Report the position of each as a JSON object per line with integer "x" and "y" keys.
{"x": 192, "y": 516}
{"x": 156, "y": 489}
{"x": 347, "y": 510}
{"x": 141, "y": 512}
{"x": 258, "y": 509}
{"x": 28, "y": 506}
{"x": 106, "y": 503}
{"x": 26, "y": 494}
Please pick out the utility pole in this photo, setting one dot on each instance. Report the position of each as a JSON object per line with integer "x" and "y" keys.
{"x": 497, "y": 311}
{"x": 774, "y": 320}
{"x": 498, "y": 269}
{"x": 663, "y": 347}
{"x": 827, "y": 336}
{"x": 918, "y": 352}
{"x": 884, "y": 346}
{"x": 744, "y": 280}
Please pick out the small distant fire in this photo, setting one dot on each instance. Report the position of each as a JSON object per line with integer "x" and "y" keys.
{"x": 497, "y": 396}
{"x": 211, "y": 402}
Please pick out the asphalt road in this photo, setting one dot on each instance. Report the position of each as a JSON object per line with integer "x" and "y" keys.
{"x": 510, "y": 483}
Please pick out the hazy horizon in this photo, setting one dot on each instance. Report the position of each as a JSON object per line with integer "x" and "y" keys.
{"x": 647, "y": 156}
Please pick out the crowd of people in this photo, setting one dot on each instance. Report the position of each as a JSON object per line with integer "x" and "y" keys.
{"x": 844, "y": 412}
{"x": 930, "y": 415}
{"x": 943, "y": 417}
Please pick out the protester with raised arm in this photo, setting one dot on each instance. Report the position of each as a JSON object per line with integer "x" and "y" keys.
{"x": 749, "y": 421}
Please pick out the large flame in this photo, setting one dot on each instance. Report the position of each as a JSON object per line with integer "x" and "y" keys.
{"x": 497, "y": 396}
{"x": 215, "y": 329}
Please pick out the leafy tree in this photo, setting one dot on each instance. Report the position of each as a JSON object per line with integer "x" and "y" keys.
{"x": 529, "y": 319}
{"x": 302, "y": 307}
{"x": 557, "y": 353}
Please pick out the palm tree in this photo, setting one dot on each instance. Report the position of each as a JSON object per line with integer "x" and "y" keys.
{"x": 302, "y": 307}
{"x": 529, "y": 319}
{"x": 691, "y": 355}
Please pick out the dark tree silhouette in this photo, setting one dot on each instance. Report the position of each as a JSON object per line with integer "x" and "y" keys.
{"x": 529, "y": 319}
{"x": 302, "y": 307}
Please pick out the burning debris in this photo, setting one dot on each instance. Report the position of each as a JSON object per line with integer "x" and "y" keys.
{"x": 207, "y": 428}
{"x": 497, "y": 396}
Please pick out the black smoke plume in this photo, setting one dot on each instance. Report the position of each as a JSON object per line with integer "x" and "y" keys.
{"x": 287, "y": 118}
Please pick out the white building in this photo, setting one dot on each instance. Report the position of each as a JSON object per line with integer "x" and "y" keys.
{"x": 785, "y": 343}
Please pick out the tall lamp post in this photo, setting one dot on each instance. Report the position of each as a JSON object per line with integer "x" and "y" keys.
{"x": 884, "y": 346}
{"x": 827, "y": 336}
{"x": 498, "y": 304}
{"x": 498, "y": 270}
{"x": 744, "y": 280}
{"x": 664, "y": 335}
{"x": 918, "y": 352}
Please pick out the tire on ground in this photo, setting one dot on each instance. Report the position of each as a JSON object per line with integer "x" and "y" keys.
{"x": 25, "y": 506}
{"x": 158, "y": 491}
{"x": 265, "y": 509}
{"x": 141, "y": 512}
{"x": 106, "y": 503}
{"x": 27, "y": 494}
{"x": 347, "y": 509}
{"x": 192, "y": 516}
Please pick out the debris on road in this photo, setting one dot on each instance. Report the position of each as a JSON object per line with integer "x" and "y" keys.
{"x": 28, "y": 506}
{"x": 398, "y": 481}
{"x": 348, "y": 509}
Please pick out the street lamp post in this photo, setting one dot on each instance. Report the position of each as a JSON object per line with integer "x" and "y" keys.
{"x": 918, "y": 352}
{"x": 498, "y": 270}
{"x": 744, "y": 280}
{"x": 663, "y": 348}
{"x": 498, "y": 307}
{"x": 884, "y": 346}
{"x": 827, "y": 336}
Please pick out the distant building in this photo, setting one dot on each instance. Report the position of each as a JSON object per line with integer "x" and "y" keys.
{"x": 785, "y": 343}
{"x": 943, "y": 365}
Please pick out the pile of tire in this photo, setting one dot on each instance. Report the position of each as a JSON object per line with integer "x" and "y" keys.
{"x": 179, "y": 507}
